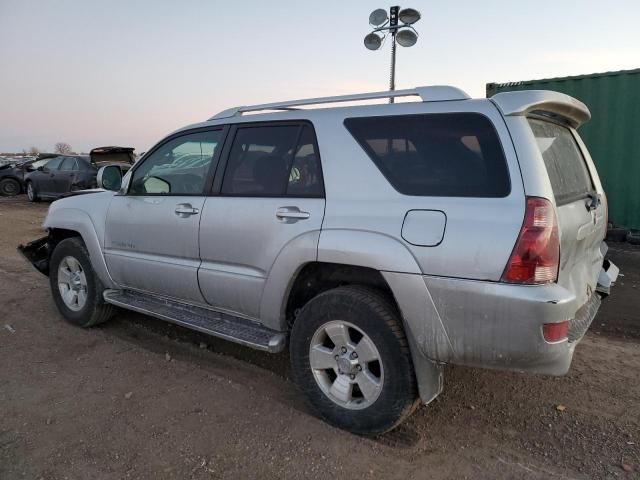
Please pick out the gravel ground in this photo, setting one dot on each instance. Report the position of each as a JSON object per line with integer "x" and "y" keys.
{"x": 136, "y": 398}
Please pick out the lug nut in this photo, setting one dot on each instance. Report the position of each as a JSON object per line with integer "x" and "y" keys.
{"x": 359, "y": 368}
{"x": 354, "y": 355}
{"x": 337, "y": 357}
{"x": 352, "y": 376}
{"x": 343, "y": 349}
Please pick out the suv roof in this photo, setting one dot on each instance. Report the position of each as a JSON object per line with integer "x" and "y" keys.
{"x": 517, "y": 103}
{"x": 426, "y": 94}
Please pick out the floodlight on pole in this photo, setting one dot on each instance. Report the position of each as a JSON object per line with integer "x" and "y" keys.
{"x": 399, "y": 24}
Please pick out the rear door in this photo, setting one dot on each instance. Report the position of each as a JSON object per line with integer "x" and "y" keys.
{"x": 66, "y": 175}
{"x": 271, "y": 194}
{"x": 580, "y": 206}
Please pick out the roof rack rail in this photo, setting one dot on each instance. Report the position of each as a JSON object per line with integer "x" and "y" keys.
{"x": 434, "y": 93}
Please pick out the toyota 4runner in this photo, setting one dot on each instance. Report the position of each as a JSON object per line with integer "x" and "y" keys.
{"x": 377, "y": 242}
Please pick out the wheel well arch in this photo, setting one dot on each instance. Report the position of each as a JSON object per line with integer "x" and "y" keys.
{"x": 10, "y": 177}
{"x": 315, "y": 278}
{"x": 56, "y": 235}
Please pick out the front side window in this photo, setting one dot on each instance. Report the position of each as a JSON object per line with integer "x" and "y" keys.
{"x": 273, "y": 161}
{"x": 567, "y": 170}
{"x": 447, "y": 154}
{"x": 54, "y": 163}
{"x": 179, "y": 167}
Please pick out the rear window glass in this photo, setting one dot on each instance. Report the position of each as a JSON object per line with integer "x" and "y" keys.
{"x": 567, "y": 170}
{"x": 447, "y": 155}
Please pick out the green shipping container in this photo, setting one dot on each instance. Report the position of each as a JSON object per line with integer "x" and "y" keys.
{"x": 612, "y": 135}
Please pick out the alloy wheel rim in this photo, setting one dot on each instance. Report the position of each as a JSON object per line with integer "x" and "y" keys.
{"x": 346, "y": 365}
{"x": 30, "y": 191}
{"x": 72, "y": 283}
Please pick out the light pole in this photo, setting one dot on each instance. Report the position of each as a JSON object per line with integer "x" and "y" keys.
{"x": 399, "y": 24}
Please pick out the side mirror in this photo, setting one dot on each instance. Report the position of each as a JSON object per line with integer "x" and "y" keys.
{"x": 109, "y": 178}
{"x": 40, "y": 169}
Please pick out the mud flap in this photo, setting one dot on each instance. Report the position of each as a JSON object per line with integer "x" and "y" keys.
{"x": 607, "y": 277}
{"x": 429, "y": 374}
{"x": 37, "y": 253}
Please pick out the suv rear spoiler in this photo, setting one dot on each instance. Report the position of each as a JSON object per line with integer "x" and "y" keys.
{"x": 525, "y": 102}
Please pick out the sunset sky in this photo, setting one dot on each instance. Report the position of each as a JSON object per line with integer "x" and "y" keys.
{"x": 117, "y": 72}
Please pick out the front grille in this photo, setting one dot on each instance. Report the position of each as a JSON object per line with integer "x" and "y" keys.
{"x": 580, "y": 324}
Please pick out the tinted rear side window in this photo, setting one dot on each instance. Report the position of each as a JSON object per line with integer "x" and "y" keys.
{"x": 568, "y": 173}
{"x": 267, "y": 161}
{"x": 444, "y": 155}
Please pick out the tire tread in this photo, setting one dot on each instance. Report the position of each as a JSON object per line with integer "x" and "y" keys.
{"x": 101, "y": 311}
{"x": 384, "y": 308}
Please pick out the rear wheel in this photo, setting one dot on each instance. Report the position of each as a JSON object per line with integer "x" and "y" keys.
{"x": 350, "y": 357}
{"x": 32, "y": 195}
{"x": 76, "y": 288}
{"x": 9, "y": 187}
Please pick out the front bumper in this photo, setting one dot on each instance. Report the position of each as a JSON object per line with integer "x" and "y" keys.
{"x": 37, "y": 253}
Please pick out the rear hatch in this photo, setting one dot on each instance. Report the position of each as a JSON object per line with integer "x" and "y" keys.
{"x": 580, "y": 207}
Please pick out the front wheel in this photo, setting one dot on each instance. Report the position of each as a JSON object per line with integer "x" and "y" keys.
{"x": 350, "y": 357}
{"x": 76, "y": 288}
{"x": 32, "y": 195}
{"x": 9, "y": 187}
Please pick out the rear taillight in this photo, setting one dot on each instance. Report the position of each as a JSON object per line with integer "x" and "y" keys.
{"x": 536, "y": 255}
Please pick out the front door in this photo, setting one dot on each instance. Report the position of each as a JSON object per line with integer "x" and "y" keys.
{"x": 271, "y": 195}
{"x": 151, "y": 239}
{"x": 45, "y": 179}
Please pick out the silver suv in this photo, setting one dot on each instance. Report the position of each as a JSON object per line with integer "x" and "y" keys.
{"x": 379, "y": 242}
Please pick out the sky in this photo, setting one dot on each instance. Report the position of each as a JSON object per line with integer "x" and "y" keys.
{"x": 121, "y": 72}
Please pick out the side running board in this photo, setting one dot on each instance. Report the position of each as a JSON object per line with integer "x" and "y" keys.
{"x": 222, "y": 325}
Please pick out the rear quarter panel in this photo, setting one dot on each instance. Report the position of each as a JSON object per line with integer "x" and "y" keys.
{"x": 480, "y": 232}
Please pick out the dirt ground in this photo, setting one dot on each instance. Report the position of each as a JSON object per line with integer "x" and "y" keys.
{"x": 140, "y": 399}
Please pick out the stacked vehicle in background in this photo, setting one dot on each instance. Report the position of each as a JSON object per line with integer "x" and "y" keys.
{"x": 13, "y": 171}
{"x": 67, "y": 173}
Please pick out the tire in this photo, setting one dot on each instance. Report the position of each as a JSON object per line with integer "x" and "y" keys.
{"x": 633, "y": 238}
{"x": 361, "y": 311}
{"x": 32, "y": 194}
{"x": 9, "y": 187}
{"x": 90, "y": 308}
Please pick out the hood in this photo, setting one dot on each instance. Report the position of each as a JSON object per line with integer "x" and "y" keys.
{"x": 74, "y": 193}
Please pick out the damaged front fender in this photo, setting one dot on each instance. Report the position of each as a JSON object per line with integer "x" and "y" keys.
{"x": 37, "y": 253}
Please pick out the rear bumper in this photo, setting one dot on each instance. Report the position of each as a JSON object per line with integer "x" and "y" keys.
{"x": 490, "y": 324}
{"x": 497, "y": 325}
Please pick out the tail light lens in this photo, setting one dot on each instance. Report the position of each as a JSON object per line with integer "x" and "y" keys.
{"x": 536, "y": 255}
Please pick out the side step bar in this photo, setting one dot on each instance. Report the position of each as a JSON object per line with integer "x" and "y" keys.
{"x": 218, "y": 324}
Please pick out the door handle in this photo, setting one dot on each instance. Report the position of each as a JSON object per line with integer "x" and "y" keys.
{"x": 291, "y": 214}
{"x": 185, "y": 210}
